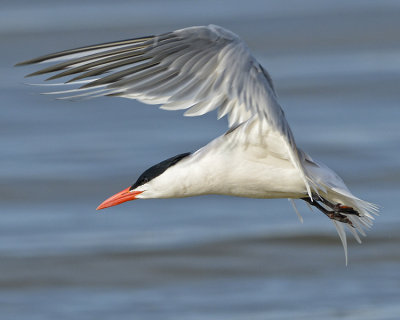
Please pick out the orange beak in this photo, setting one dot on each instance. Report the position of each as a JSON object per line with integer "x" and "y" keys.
{"x": 120, "y": 197}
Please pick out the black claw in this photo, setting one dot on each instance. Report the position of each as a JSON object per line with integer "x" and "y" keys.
{"x": 339, "y": 217}
{"x": 338, "y": 211}
{"x": 344, "y": 209}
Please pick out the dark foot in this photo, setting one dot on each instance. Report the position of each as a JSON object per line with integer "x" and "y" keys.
{"x": 345, "y": 209}
{"x": 338, "y": 217}
{"x": 338, "y": 211}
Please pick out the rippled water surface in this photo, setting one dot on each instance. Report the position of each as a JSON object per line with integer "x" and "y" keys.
{"x": 336, "y": 67}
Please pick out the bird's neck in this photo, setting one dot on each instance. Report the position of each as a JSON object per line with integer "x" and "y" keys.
{"x": 194, "y": 175}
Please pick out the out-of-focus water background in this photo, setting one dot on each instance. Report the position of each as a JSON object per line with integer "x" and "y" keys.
{"x": 336, "y": 67}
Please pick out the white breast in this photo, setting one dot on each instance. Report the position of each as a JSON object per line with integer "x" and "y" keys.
{"x": 225, "y": 167}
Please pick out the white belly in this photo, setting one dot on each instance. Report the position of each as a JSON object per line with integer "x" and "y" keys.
{"x": 270, "y": 178}
{"x": 251, "y": 173}
{"x": 245, "y": 170}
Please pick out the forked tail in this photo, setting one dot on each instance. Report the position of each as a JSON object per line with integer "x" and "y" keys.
{"x": 334, "y": 199}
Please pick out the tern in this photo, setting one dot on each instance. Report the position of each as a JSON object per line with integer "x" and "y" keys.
{"x": 201, "y": 69}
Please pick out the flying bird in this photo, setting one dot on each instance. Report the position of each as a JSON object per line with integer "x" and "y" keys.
{"x": 202, "y": 69}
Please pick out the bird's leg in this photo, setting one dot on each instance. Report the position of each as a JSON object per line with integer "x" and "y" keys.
{"x": 336, "y": 213}
{"x": 339, "y": 208}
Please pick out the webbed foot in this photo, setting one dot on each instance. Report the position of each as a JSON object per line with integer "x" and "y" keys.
{"x": 338, "y": 211}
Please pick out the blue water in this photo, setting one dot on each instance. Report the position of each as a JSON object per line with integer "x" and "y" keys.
{"x": 336, "y": 67}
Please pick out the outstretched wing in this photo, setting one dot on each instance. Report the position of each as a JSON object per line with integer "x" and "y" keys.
{"x": 197, "y": 68}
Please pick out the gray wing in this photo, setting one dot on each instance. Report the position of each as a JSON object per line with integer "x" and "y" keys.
{"x": 198, "y": 68}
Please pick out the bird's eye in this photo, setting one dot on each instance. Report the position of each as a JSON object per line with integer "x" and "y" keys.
{"x": 145, "y": 180}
